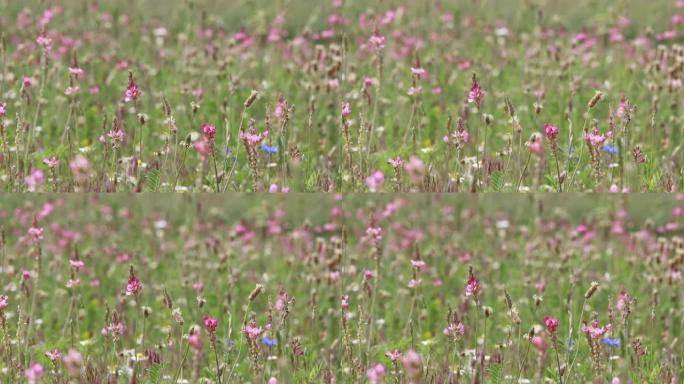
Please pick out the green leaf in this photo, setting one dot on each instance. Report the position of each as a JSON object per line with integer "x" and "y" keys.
{"x": 155, "y": 373}
{"x": 153, "y": 180}
{"x": 497, "y": 181}
{"x": 495, "y": 373}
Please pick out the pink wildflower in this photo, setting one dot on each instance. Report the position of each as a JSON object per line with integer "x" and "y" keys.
{"x": 34, "y": 373}
{"x": 551, "y": 132}
{"x": 393, "y": 355}
{"x": 551, "y": 324}
{"x": 375, "y": 181}
{"x": 376, "y": 374}
{"x": 346, "y": 109}
{"x": 134, "y": 286}
{"x": 4, "y": 302}
{"x": 476, "y": 93}
{"x": 208, "y": 130}
{"x": 132, "y": 92}
{"x": 34, "y": 180}
{"x": 210, "y": 324}
{"x": 473, "y": 285}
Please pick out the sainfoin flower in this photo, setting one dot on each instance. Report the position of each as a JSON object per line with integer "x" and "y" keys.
{"x": 53, "y": 355}
{"x": 594, "y": 138}
{"x": 376, "y": 373}
{"x": 252, "y": 330}
{"x": 35, "y": 233}
{"x": 134, "y": 286}
{"x": 538, "y": 343}
{"x": 132, "y": 92}
{"x": 594, "y": 331}
{"x": 393, "y": 354}
{"x": 44, "y": 42}
{"x": 622, "y": 299}
{"x": 535, "y": 145}
{"x": 51, "y": 162}
{"x": 476, "y": 93}
{"x": 34, "y": 179}
{"x": 412, "y": 363}
{"x": 551, "y": 324}
{"x": 375, "y": 181}
{"x": 79, "y": 166}
{"x": 116, "y": 136}
{"x": 252, "y": 138}
{"x": 395, "y": 162}
{"x": 345, "y": 109}
{"x": 114, "y": 329}
{"x": 4, "y": 302}
{"x": 208, "y": 130}
{"x": 203, "y": 147}
{"x": 76, "y": 264}
{"x": 194, "y": 341}
{"x": 472, "y": 285}
{"x": 73, "y": 361}
{"x": 344, "y": 302}
{"x": 419, "y": 72}
{"x": 376, "y": 42}
{"x": 551, "y": 132}
{"x": 418, "y": 265}
{"x": 415, "y": 168}
{"x": 210, "y": 324}
{"x": 76, "y": 72}
{"x": 375, "y": 233}
{"x": 34, "y": 373}
{"x": 454, "y": 329}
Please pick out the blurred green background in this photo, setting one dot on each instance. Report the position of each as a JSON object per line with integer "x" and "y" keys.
{"x": 521, "y": 208}
{"x": 313, "y": 13}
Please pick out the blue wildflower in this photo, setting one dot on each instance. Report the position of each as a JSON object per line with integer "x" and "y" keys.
{"x": 611, "y": 342}
{"x": 271, "y": 150}
{"x": 269, "y": 342}
{"x": 610, "y": 149}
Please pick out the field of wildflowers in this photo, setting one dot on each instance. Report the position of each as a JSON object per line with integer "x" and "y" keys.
{"x": 148, "y": 148}
{"x": 342, "y": 289}
{"x": 341, "y": 95}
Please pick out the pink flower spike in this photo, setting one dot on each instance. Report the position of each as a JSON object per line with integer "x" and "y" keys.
{"x": 208, "y": 130}
{"x": 4, "y": 302}
{"x": 476, "y": 93}
{"x": 210, "y": 324}
{"x": 473, "y": 285}
{"x": 134, "y": 286}
{"x": 551, "y": 132}
{"x": 132, "y": 92}
{"x": 346, "y": 109}
{"x": 551, "y": 324}
{"x": 34, "y": 373}
{"x": 376, "y": 374}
